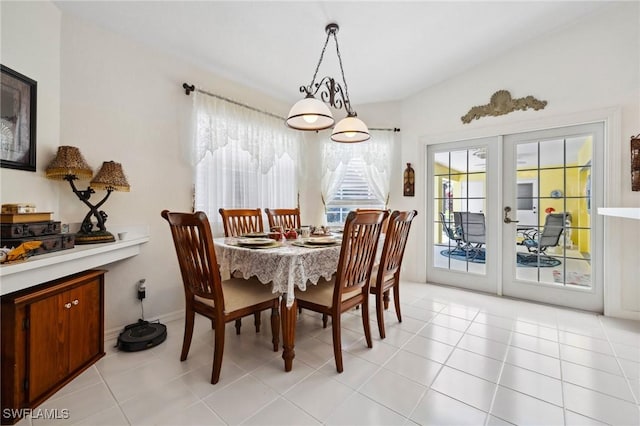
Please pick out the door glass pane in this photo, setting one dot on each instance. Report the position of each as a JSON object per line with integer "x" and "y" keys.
{"x": 459, "y": 187}
{"x": 553, "y": 242}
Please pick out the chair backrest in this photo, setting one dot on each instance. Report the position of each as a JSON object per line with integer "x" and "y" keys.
{"x": 472, "y": 226}
{"x": 358, "y": 252}
{"x": 445, "y": 225}
{"x": 287, "y": 218}
{"x": 386, "y": 221}
{"x": 395, "y": 242}
{"x": 553, "y": 227}
{"x": 241, "y": 221}
{"x": 193, "y": 242}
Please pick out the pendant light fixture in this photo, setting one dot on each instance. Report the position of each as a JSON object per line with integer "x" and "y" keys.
{"x": 313, "y": 114}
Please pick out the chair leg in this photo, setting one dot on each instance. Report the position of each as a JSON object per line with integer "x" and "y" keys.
{"x": 337, "y": 341}
{"x": 385, "y": 299}
{"x": 380, "y": 315}
{"x": 325, "y": 319}
{"x": 238, "y": 325}
{"x": 365, "y": 322}
{"x": 257, "y": 320}
{"x": 396, "y": 300}
{"x": 188, "y": 333}
{"x": 275, "y": 326}
{"x": 218, "y": 351}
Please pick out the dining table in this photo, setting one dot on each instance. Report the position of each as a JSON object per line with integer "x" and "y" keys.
{"x": 286, "y": 266}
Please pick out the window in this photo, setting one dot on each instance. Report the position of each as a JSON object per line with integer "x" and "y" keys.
{"x": 354, "y": 192}
{"x": 242, "y": 159}
{"x": 356, "y": 175}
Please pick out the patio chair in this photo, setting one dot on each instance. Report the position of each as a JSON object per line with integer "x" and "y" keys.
{"x": 536, "y": 242}
{"x": 472, "y": 230}
{"x": 453, "y": 235}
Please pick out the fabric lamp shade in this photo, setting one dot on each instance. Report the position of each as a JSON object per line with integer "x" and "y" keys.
{"x": 110, "y": 177}
{"x": 68, "y": 162}
{"x": 350, "y": 130}
{"x": 310, "y": 114}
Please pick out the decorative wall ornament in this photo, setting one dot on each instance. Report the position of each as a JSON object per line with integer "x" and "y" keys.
{"x": 409, "y": 181}
{"x": 635, "y": 163}
{"x": 502, "y": 103}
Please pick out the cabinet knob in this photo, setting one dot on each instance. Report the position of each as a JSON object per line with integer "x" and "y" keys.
{"x": 67, "y": 305}
{"x": 75, "y": 302}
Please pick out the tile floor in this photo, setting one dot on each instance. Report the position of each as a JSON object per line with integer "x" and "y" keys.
{"x": 458, "y": 358}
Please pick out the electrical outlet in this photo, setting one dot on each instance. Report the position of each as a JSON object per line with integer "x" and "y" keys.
{"x": 142, "y": 289}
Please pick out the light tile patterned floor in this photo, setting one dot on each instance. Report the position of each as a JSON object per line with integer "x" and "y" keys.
{"x": 458, "y": 358}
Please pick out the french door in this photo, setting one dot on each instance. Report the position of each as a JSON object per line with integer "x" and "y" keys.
{"x": 463, "y": 179}
{"x": 537, "y": 194}
{"x": 554, "y": 256}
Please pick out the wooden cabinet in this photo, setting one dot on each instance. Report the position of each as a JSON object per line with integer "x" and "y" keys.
{"x": 50, "y": 334}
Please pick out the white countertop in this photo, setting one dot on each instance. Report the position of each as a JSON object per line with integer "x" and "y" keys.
{"x": 46, "y": 267}
{"x": 628, "y": 212}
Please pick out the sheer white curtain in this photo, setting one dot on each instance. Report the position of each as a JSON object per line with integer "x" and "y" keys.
{"x": 242, "y": 159}
{"x": 377, "y": 154}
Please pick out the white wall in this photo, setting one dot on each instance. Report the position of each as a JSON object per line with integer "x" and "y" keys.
{"x": 589, "y": 66}
{"x": 119, "y": 100}
{"x": 123, "y": 101}
{"x": 380, "y": 115}
{"x": 30, "y": 45}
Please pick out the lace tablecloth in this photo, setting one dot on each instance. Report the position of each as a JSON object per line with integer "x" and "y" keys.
{"x": 286, "y": 267}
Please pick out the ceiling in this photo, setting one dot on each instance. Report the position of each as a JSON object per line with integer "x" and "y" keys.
{"x": 390, "y": 49}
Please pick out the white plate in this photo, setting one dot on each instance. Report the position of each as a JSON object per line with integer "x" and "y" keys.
{"x": 255, "y": 241}
{"x": 262, "y": 235}
{"x": 321, "y": 241}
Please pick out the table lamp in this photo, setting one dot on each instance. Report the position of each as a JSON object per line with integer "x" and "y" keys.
{"x": 69, "y": 165}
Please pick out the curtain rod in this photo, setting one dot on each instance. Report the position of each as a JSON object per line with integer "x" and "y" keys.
{"x": 191, "y": 88}
{"x": 386, "y": 129}
{"x": 188, "y": 88}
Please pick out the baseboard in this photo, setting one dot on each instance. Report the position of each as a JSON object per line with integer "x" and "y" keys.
{"x": 111, "y": 335}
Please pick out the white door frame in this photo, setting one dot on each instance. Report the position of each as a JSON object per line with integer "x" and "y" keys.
{"x": 612, "y": 182}
{"x": 591, "y": 299}
{"x": 488, "y": 282}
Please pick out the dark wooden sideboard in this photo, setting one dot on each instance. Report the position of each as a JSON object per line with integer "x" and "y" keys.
{"x": 50, "y": 333}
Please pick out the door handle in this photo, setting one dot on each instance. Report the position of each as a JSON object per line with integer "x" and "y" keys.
{"x": 507, "y": 219}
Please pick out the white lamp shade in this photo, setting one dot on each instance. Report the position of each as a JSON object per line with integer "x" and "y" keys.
{"x": 310, "y": 114}
{"x": 350, "y": 130}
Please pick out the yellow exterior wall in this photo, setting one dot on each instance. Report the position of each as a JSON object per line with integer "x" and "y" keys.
{"x": 584, "y": 217}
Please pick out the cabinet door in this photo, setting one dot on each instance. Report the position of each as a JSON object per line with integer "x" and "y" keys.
{"x": 84, "y": 323}
{"x": 47, "y": 345}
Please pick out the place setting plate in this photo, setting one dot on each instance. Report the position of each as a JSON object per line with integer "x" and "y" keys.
{"x": 262, "y": 235}
{"x": 317, "y": 242}
{"x": 258, "y": 242}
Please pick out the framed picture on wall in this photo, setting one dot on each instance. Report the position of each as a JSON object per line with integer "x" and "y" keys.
{"x": 18, "y": 98}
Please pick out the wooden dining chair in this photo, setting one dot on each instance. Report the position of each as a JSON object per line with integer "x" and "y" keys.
{"x": 386, "y": 221}
{"x": 238, "y": 222}
{"x": 386, "y": 274}
{"x": 287, "y": 218}
{"x": 349, "y": 287}
{"x": 206, "y": 294}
